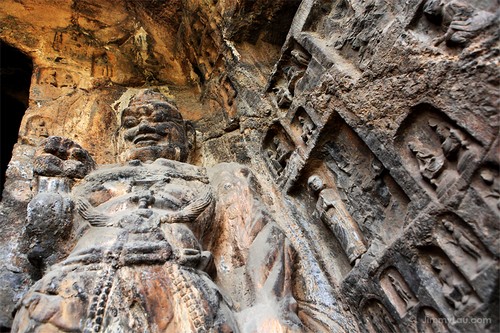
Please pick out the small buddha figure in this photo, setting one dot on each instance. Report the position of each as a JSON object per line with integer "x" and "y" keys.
{"x": 334, "y": 214}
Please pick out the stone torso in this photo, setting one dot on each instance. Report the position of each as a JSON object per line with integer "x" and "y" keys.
{"x": 125, "y": 204}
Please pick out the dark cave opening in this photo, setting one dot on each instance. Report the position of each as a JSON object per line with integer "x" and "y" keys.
{"x": 15, "y": 79}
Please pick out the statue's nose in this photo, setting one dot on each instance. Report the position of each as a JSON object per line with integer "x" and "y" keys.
{"x": 145, "y": 126}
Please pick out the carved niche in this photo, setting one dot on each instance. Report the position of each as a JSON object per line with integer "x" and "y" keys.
{"x": 398, "y": 291}
{"x": 487, "y": 179}
{"x": 489, "y": 185}
{"x": 430, "y": 321}
{"x": 448, "y": 286}
{"x": 303, "y": 126}
{"x": 288, "y": 72}
{"x": 36, "y": 128}
{"x": 377, "y": 319}
{"x": 462, "y": 246}
{"x": 371, "y": 196}
{"x": 100, "y": 66}
{"x": 439, "y": 154}
{"x": 277, "y": 149}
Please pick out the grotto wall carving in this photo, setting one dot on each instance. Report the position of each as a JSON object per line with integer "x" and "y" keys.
{"x": 136, "y": 228}
{"x": 334, "y": 166}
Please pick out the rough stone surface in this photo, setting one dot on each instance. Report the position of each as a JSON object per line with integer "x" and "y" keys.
{"x": 340, "y": 163}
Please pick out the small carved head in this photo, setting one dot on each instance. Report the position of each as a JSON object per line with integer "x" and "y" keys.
{"x": 448, "y": 225}
{"x": 315, "y": 183}
{"x": 155, "y": 127}
{"x": 436, "y": 263}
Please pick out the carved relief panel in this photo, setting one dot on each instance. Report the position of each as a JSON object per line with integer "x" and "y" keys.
{"x": 449, "y": 288}
{"x": 398, "y": 291}
{"x": 287, "y": 74}
{"x": 453, "y": 22}
{"x": 377, "y": 319}
{"x": 346, "y": 33}
{"x": 440, "y": 155}
{"x": 369, "y": 193}
{"x": 462, "y": 246}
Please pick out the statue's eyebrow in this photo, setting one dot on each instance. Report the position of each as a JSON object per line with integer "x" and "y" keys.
{"x": 126, "y": 112}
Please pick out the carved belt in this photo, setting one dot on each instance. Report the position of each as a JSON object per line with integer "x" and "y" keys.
{"x": 135, "y": 253}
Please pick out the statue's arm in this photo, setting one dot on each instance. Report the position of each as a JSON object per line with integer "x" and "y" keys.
{"x": 58, "y": 163}
{"x": 190, "y": 212}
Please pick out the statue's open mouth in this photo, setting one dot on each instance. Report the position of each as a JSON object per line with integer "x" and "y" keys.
{"x": 146, "y": 139}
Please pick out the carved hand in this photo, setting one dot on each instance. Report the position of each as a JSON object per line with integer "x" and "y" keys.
{"x": 59, "y": 156}
{"x": 191, "y": 211}
{"x": 188, "y": 257}
{"x": 95, "y": 218}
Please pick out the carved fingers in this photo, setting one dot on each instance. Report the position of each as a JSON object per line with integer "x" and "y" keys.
{"x": 197, "y": 206}
{"x": 190, "y": 212}
{"x": 87, "y": 211}
{"x": 188, "y": 257}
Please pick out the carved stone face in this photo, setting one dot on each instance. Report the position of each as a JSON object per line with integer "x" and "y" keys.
{"x": 155, "y": 128}
{"x": 315, "y": 183}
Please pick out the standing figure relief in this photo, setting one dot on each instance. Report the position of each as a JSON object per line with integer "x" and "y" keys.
{"x": 135, "y": 260}
{"x": 334, "y": 214}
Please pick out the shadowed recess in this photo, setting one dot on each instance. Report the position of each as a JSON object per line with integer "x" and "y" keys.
{"x": 15, "y": 78}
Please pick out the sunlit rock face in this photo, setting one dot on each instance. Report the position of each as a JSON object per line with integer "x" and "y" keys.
{"x": 253, "y": 166}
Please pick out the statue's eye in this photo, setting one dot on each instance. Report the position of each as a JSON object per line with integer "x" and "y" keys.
{"x": 129, "y": 122}
{"x": 158, "y": 116}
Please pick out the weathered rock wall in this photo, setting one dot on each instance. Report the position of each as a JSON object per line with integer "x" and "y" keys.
{"x": 393, "y": 105}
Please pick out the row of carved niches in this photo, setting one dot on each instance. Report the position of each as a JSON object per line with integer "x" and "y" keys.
{"x": 453, "y": 22}
{"x": 350, "y": 30}
{"x": 377, "y": 319}
{"x": 286, "y": 77}
{"x": 435, "y": 297}
{"x": 440, "y": 155}
{"x": 292, "y": 137}
{"x": 439, "y": 268}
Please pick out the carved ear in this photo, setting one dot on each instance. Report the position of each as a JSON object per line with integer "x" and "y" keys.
{"x": 191, "y": 134}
